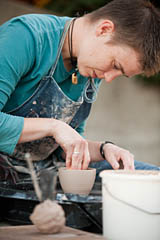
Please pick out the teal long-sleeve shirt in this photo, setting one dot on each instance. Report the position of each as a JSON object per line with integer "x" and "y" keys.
{"x": 28, "y": 49}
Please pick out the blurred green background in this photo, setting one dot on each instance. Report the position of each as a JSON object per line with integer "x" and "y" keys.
{"x": 69, "y": 7}
{"x": 72, "y": 8}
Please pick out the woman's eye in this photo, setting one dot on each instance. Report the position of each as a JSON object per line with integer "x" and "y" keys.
{"x": 116, "y": 67}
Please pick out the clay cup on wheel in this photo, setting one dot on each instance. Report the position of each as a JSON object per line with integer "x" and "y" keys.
{"x": 77, "y": 181}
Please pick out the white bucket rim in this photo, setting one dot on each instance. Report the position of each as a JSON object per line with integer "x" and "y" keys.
{"x": 131, "y": 174}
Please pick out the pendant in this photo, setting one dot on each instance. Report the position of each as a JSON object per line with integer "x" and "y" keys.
{"x": 74, "y": 78}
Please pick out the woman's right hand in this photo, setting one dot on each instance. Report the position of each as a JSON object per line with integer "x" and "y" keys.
{"x": 73, "y": 144}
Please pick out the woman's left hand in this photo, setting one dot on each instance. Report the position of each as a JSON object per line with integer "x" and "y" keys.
{"x": 114, "y": 155}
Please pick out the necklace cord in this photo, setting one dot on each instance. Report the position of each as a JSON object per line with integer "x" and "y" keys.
{"x": 70, "y": 44}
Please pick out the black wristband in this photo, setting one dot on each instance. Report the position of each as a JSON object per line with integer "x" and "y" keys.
{"x": 101, "y": 148}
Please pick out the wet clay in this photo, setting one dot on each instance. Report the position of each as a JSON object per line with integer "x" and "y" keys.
{"x": 48, "y": 217}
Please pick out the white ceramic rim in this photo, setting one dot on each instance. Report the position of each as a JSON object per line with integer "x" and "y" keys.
{"x": 131, "y": 174}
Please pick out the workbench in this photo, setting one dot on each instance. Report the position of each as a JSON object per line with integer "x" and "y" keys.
{"x": 29, "y": 232}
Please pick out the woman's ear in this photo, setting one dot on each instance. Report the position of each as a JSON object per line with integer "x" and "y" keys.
{"x": 105, "y": 27}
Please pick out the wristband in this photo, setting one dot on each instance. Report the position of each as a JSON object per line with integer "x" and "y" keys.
{"x": 101, "y": 148}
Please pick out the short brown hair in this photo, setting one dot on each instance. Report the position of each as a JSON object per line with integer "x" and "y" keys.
{"x": 137, "y": 24}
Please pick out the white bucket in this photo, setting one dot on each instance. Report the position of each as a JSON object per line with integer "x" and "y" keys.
{"x": 131, "y": 204}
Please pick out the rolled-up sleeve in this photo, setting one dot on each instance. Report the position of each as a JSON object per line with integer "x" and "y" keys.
{"x": 10, "y": 131}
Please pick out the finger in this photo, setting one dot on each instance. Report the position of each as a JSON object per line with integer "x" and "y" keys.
{"x": 113, "y": 161}
{"x": 128, "y": 161}
{"x": 79, "y": 166}
{"x": 69, "y": 157}
{"x": 132, "y": 167}
{"x": 77, "y": 157}
{"x": 86, "y": 158}
{"x": 76, "y": 161}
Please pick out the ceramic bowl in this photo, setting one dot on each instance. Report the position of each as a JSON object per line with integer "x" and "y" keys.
{"x": 77, "y": 181}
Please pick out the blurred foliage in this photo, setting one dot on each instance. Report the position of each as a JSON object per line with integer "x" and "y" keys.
{"x": 74, "y": 8}
{"x": 40, "y": 3}
{"x": 148, "y": 81}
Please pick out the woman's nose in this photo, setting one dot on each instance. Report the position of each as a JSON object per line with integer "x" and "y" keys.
{"x": 110, "y": 76}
